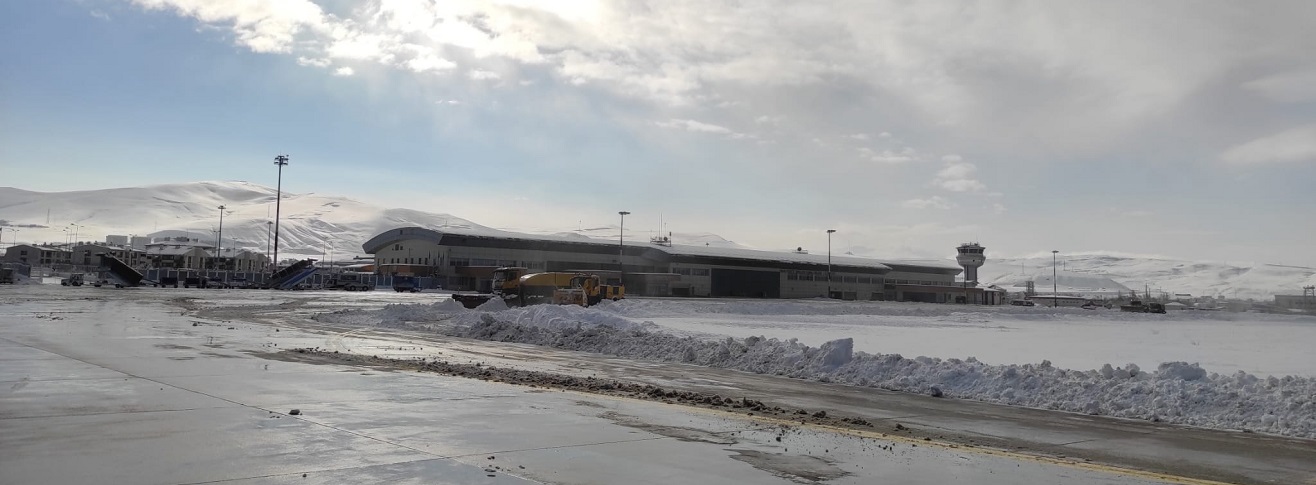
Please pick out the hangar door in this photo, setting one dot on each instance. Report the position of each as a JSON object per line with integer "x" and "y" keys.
{"x": 746, "y": 283}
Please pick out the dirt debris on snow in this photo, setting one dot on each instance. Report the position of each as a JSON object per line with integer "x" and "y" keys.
{"x": 592, "y": 385}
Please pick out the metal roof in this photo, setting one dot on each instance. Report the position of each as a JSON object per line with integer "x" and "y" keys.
{"x": 566, "y": 243}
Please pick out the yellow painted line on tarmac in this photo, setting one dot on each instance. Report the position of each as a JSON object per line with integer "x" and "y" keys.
{"x": 945, "y": 445}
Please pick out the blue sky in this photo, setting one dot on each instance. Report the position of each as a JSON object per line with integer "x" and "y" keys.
{"x": 1181, "y": 129}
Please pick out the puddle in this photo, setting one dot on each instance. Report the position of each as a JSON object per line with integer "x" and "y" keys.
{"x": 798, "y": 468}
{"x": 683, "y": 434}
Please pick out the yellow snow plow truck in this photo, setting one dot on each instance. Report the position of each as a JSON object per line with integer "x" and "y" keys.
{"x": 518, "y": 287}
{"x": 587, "y": 290}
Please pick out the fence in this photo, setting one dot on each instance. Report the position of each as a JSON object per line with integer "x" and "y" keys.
{"x": 317, "y": 280}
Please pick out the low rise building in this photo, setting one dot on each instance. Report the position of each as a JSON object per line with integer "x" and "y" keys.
{"x": 89, "y": 255}
{"x": 34, "y": 255}
{"x": 1305, "y": 302}
{"x": 230, "y": 259}
{"x": 466, "y": 259}
{"x": 177, "y": 256}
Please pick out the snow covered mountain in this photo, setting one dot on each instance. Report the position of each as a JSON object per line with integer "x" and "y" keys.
{"x": 313, "y": 224}
{"x": 310, "y": 224}
{"x": 1105, "y": 273}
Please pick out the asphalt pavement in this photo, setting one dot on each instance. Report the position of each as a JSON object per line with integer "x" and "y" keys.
{"x": 121, "y": 386}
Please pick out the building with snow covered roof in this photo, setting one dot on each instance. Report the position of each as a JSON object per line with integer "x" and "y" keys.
{"x": 463, "y": 259}
{"x": 33, "y": 255}
{"x": 88, "y": 255}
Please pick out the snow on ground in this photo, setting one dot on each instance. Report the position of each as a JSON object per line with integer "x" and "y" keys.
{"x": 1073, "y": 338}
{"x": 1172, "y": 391}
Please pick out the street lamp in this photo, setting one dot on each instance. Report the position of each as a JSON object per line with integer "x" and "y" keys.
{"x": 829, "y": 262}
{"x": 219, "y": 243}
{"x": 269, "y": 228}
{"x": 621, "y": 248}
{"x": 280, "y": 160}
{"x": 75, "y": 231}
{"x": 1054, "y": 291}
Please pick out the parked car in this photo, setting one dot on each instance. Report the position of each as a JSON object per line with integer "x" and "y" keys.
{"x": 1023, "y": 303}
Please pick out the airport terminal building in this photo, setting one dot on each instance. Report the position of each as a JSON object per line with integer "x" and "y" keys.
{"x": 464, "y": 259}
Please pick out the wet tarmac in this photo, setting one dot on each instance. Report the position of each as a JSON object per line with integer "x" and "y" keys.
{"x": 105, "y": 386}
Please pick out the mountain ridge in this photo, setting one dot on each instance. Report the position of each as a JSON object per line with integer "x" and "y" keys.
{"x": 315, "y": 225}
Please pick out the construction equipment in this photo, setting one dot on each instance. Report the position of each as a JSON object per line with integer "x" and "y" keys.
{"x": 506, "y": 284}
{"x": 507, "y": 281}
{"x": 515, "y": 286}
{"x": 1137, "y": 306}
{"x": 74, "y": 279}
{"x": 587, "y": 290}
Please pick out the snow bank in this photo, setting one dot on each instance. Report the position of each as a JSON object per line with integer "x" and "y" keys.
{"x": 1176, "y": 392}
{"x": 661, "y": 308}
{"x": 453, "y": 313}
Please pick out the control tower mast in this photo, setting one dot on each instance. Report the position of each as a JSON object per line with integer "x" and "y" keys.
{"x": 971, "y": 258}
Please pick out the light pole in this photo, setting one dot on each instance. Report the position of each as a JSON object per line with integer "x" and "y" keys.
{"x": 829, "y": 262}
{"x": 621, "y": 246}
{"x": 75, "y": 231}
{"x": 269, "y": 228}
{"x": 219, "y": 243}
{"x": 280, "y": 160}
{"x": 1054, "y": 286}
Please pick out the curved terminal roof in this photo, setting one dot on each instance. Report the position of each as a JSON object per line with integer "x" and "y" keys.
{"x": 674, "y": 253}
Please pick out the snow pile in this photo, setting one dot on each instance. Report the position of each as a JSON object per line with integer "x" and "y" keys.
{"x": 452, "y": 313}
{"x": 1176, "y": 392}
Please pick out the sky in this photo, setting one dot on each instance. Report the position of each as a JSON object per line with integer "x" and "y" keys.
{"x": 1179, "y": 129}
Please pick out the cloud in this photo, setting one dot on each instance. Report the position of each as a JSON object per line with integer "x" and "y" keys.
{"x": 307, "y": 61}
{"x": 258, "y": 25}
{"x": 934, "y": 202}
{"x": 959, "y": 177}
{"x": 427, "y": 62}
{"x": 1288, "y": 87}
{"x": 695, "y": 126}
{"x": 996, "y": 78}
{"x": 887, "y": 156}
{"x": 998, "y": 208}
{"x": 480, "y": 74}
{"x": 344, "y": 71}
{"x": 1293, "y": 145}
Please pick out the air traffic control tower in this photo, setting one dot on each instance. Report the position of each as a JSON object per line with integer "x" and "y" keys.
{"x": 971, "y": 258}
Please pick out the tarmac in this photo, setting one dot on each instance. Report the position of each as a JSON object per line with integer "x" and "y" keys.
{"x": 123, "y": 386}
